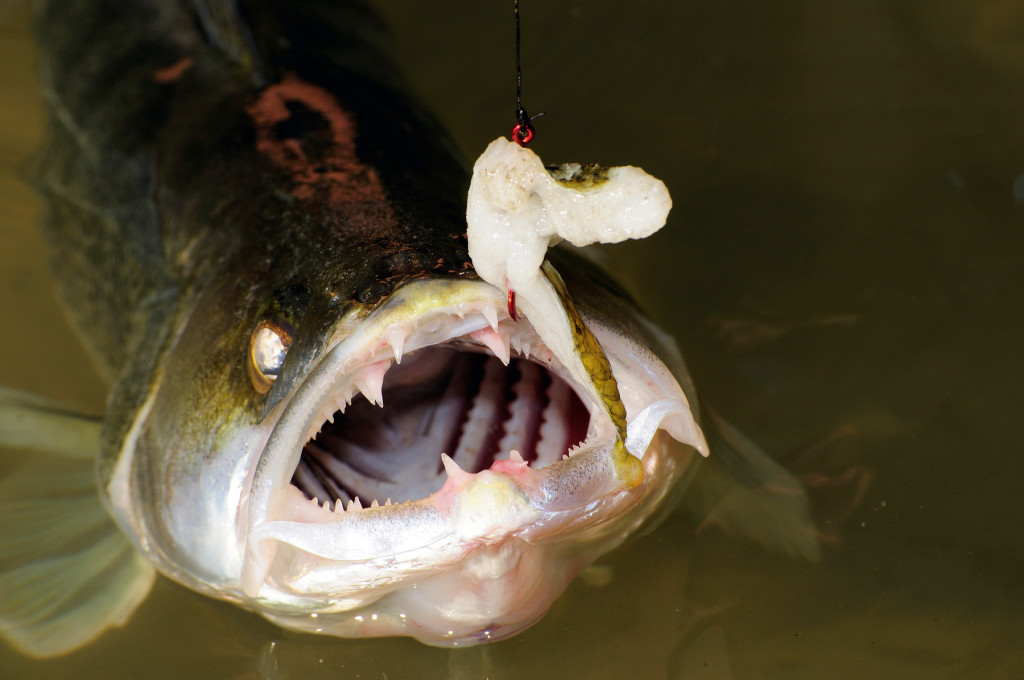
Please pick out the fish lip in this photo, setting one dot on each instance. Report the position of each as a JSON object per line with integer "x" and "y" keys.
{"x": 480, "y": 305}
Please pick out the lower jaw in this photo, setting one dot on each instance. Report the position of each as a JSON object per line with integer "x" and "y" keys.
{"x": 495, "y": 592}
{"x": 494, "y": 589}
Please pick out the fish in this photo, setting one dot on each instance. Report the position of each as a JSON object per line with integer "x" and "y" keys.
{"x": 261, "y": 239}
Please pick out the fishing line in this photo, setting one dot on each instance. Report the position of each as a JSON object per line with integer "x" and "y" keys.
{"x": 523, "y": 131}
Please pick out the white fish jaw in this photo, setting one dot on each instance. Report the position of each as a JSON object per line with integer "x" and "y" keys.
{"x": 486, "y": 553}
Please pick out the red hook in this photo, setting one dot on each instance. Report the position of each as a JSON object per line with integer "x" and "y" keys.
{"x": 522, "y": 133}
{"x": 512, "y": 305}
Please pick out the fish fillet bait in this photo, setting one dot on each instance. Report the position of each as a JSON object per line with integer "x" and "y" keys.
{"x": 517, "y": 209}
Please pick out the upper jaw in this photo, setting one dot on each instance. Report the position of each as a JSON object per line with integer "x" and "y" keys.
{"x": 308, "y": 557}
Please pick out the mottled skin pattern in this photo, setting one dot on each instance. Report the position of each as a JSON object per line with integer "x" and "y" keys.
{"x": 176, "y": 167}
{"x": 595, "y": 361}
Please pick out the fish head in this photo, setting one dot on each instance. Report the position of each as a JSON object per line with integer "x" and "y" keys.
{"x": 346, "y": 430}
{"x": 296, "y": 467}
{"x": 289, "y": 457}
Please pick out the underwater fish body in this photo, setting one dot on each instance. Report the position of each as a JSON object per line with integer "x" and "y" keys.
{"x": 261, "y": 238}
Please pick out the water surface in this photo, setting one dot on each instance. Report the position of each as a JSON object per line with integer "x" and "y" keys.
{"x": 842, "y": 269}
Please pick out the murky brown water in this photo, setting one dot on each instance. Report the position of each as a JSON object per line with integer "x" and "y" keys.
{"x": 843, "y": 269}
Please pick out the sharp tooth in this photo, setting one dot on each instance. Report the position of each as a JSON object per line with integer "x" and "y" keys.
{"x": 396, "y": 338}
{"x": 494, "y": 341}
{"x": 354, "y": 504}
{"x": 492, "y": 317}
{"x": 374, "y": 504}
{"x": 387, "y": 502}
{"x": 455, "y": 473}
{"x": 370, "y": 381}
{"x": 516, "y": 458}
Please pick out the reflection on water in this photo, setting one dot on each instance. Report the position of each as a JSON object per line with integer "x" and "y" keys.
{"x": 843, "y": 269}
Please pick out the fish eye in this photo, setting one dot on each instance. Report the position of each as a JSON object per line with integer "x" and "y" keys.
{"x": 268, "y": 346}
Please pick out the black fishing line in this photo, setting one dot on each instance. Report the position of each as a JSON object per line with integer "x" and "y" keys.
{"x": 522, "y": 133}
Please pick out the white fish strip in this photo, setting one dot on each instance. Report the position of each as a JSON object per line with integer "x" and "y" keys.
{"x": 516, "y": 210}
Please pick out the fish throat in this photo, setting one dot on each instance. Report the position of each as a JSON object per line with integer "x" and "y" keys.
{"x": 448, "y": 398}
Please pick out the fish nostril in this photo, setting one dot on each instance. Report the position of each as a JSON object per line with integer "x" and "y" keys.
{"x": 404, "y": 262}
{"x": 374, "y": 291}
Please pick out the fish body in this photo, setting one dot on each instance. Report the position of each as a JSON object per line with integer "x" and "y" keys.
{"x": 261, "y": 238}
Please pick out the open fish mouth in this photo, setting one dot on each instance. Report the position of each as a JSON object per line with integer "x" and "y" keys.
{"x": 458, "y": 398}
{"x": 352, "y": 499}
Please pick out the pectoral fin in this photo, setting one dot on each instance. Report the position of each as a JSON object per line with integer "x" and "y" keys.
{"x": 740, "y": 489}
{"x": 66, "y": 571}
{"x": 28, "y": 421}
